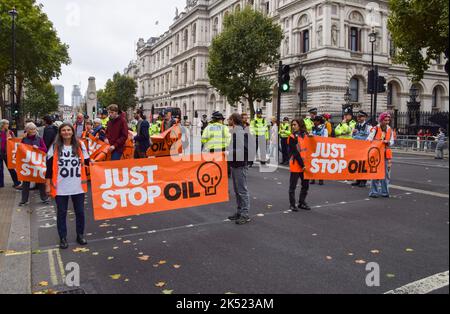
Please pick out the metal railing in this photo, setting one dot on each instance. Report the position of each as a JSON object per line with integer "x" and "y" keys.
{"x": 415, "y": 143}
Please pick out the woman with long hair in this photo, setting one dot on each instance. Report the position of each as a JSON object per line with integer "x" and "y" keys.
{"x": 66, "y": 178}
{"x": 297, "y": 165}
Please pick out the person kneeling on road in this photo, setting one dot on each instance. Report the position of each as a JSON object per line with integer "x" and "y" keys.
{"x": 66, "y": 178}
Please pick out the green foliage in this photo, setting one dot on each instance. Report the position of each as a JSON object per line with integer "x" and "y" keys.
{"x": 417, "y": 26}
{"x": 39, "y": 51}
{"x": 249, "y": 41}
{"x": 40, "y": 101}
{"x": 121, "y": 90}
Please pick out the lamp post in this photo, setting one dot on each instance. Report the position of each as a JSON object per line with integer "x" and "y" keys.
{"x": 347, "y": 99}
{"x": 373, "y": 39}
{"x": 414, "y": 109}
{"x": 14, "y": 110}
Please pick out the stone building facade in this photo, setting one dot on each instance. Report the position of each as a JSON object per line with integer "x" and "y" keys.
{"x": 325, "y": 42}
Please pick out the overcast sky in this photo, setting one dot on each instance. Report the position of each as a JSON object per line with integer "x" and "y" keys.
{"x": 102, "y": 34}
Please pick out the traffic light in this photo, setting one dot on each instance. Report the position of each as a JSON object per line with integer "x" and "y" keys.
{"x": 285, "y": 78}
{"x": 381, "y": 85}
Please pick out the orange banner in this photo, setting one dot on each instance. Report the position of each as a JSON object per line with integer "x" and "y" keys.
{"x": 128, "y": 152}
{"x": 121, "y": 189}
{"x": 339, "y": 159}
{"x": 11, "y": 149}
{"x": 98, "y": 150}
{"x": 31, "y": 164}
{"x": 167, "y": 143}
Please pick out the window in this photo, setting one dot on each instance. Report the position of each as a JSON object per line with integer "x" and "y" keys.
{"x": 177, "y": 43}
{"x": 185, "y": 72}
{"x": 355, "y": 39}
{"x": 303, "y": 90}
{"x": 215, "y": 27}
{"x": 305, "y": 41}
{"x": 186, "y": 39}
{"x": 267, "y": 7}
{"x": 194, "y": 64}
{"x": 194, "y": 33}
{"x": 354, "y": 90}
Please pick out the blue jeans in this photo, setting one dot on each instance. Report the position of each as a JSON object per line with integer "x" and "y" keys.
{"x": 62, "y": 205}
{"x": 116, "y": 155}
{"x": 381, "y": 187}
{"x": 239, "y": 176}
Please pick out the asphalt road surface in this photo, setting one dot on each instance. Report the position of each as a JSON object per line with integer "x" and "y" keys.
{"x": 196, "y": 251}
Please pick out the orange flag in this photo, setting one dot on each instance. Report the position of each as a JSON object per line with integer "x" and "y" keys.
{"x": 30, "y": 164}
{"x": 11, "y": 149}
{"x": 121, "y": 189}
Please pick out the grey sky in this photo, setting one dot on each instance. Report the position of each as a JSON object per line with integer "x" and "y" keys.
{"x": 102, "y": 34}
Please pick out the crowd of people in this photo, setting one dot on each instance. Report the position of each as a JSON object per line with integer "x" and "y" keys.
{"x": 239, "y": 136}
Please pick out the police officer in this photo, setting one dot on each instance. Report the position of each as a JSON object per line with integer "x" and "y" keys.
{"x": 361, "y": 132}
{"x": 204, "y": 122}
{"x": 285, "y": 132}
{"x": 345, "y": 129}
{"x": 320, "y": 129}
{"x": 155, "y": 128}
{"x": 216, "y": 137}
{"x": 260, "y": 130}
{"x": 104, "y": 117}
{"x": 309, "y": 122}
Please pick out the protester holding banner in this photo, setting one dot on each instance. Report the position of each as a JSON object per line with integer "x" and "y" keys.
{"x": 142, "y": 138}
{"x": 116, "y": 132}
{"x": 5, "y": 135}
{"x": 384, "y": 133}
{"x": 33, "y": 139}
{"x": 321, "y": 130}
{"x": 66, "y": 178}
{"x": 240, "y": 153}
{"x": 361, "y": 132}
{"x": 99, "y": 131}
{"x": 297, "y": 165}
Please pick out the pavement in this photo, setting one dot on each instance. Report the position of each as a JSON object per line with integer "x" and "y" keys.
{"x": 197, "y": 251}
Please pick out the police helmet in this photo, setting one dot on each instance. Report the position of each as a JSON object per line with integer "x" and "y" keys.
{"x": 217, "y": 116}
{"x": 259, "y": 111}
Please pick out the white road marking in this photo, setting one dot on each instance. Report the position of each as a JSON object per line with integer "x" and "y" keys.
{"x": 403, "y": 188}
{"x": 424, "y": 286}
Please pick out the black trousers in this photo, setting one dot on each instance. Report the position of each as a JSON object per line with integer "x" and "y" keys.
{"x": 285, "y": 150}
{"x": 295, "y": 177}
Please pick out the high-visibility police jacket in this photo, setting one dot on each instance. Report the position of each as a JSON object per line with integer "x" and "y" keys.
{"x": 345, "y": 130}
{"x": 105, "y": 122}
{"x": 216, "y": 136}
{"x": 297, "y": 151}
{"x": 309, "y": 125}
{"x": 362, "y": 131}
{"x": 285, "y": 130}
{"x": 155, "y": 128}
{"x": 377, "y": 134}
{"x": 259, "y": 127}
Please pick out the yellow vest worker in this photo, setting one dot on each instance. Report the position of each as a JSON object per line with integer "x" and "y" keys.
{"x": 216, "y": 137}
{"x": 345, "y": 129}
{"x": 309, "y": 122}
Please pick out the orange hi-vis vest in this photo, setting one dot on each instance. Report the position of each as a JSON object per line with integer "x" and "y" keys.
{"x": 293, "y": 164}
{"x": 379, "y": 137}
{"x": 54, "y": 182}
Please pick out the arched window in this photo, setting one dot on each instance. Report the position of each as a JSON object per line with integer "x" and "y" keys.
{"x": 354, "y": 90}
{"x": 437, "y": 98}
{"x": 305, "y": 36}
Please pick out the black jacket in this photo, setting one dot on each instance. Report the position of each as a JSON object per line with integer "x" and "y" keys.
{"x": 50, "y": 133}
{"x": 242, "y": 148}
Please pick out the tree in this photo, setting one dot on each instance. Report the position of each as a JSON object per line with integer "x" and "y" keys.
{"x": 249, "y": 40}
{"x": 121, "y": 90}
{"x": 419, "y": 30}
{"x": 40, "y": 100}
{"x": 39, "y": 51}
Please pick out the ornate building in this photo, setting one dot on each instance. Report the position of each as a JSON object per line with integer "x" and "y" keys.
{"x": 326, "y": 42}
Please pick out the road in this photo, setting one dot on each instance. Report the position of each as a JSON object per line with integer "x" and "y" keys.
{"x": 196, "y": 251}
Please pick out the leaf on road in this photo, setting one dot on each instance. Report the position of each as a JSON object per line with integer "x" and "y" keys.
{"x": 360, "y": 261}
{"x": 110, "y": 258}
{"x": 269, "y": 206}
{"x": 144, "y": 258}
{"x": 375, "y": 252}
{"x": 162, "y": 262}
{"x": 329, "y": 258}
{"x": 351, "y": 254}
{"x": 115, "y": 277}
{"x": 176, "y": 266}
{"x": 115, "y": 248}
{"x": 167, "y": 291}
{"x": 127, "y": 242}
{"x": 43, "y": 284}
{"x": 409, "y": 250}
{"x": 134, "y": 227}
{"x": 260, "y": 215}
{"x": 104, "y": 225}
{"x": 156, "y": 265}
{"x": 127, "y": 280}
{"x": 314, "y": 234}
{"x": 95, "y": 253}
{"x": 160, "y": 284}
{"x": 390, "y": 275}
{"x": 36, "y": 252}
{"x": 80, "y": 250}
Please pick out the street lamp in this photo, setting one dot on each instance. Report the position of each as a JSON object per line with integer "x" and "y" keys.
{"x": 373, "y": 40}
{"x": 347, "y": 99}
{"x": 14, "y": 110}
{"x": 414, "y": 110}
